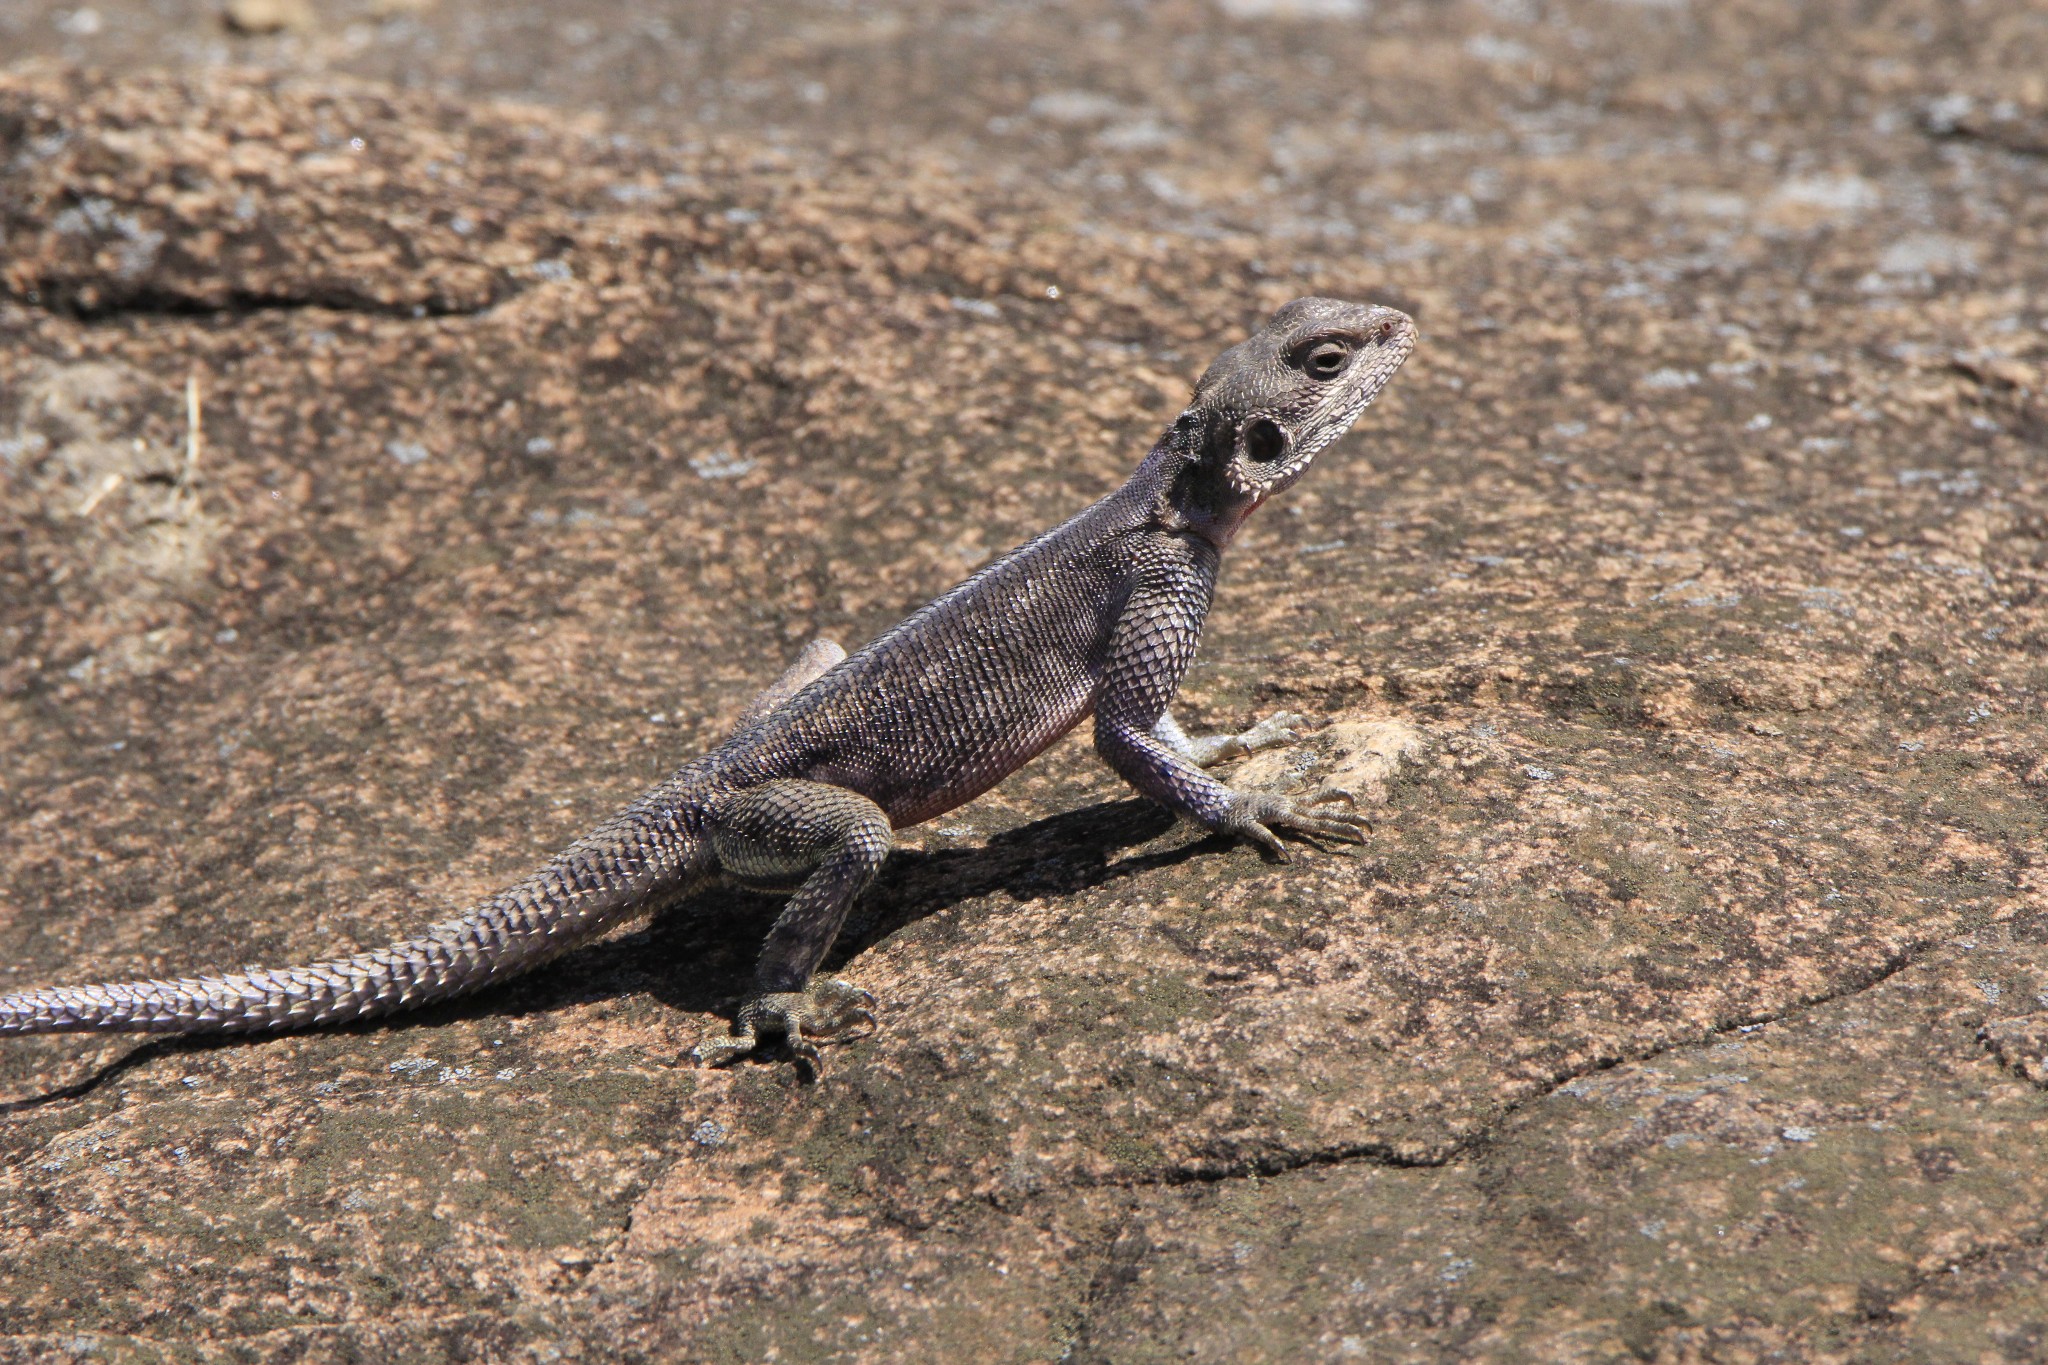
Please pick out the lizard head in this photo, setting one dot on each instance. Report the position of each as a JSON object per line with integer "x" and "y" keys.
{"x": 1270, "y": 403}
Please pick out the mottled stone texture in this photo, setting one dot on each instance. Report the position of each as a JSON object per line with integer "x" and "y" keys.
{"x": 1681, "y": 609}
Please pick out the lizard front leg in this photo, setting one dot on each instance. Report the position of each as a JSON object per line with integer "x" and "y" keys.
{"x": 830, "y": 842}
{"x": 1150, "y": 649}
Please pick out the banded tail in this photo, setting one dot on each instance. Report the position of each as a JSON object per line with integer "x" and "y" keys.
{"x": 634, "y": 862}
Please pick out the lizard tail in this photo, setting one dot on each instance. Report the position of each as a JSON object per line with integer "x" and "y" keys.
{"x": 629, "y": 865}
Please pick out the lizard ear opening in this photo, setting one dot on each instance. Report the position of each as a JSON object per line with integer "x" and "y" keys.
{"x": 1263, "y": 440}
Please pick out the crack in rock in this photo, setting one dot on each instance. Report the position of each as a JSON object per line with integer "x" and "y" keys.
{"x": 1451, "y": 1153}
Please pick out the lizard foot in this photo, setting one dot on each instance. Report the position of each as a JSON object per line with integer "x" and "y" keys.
{"x": 1281, "y": 727}
{"x": 826, "y": 1009}
{"x": 1276, "y": 729}
{"x": 1257, "y": 815}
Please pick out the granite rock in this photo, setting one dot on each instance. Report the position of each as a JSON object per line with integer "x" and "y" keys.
{"x": 1679, "y": 610}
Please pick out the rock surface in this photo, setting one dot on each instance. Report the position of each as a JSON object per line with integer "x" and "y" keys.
{"x": 1681, "y": 607}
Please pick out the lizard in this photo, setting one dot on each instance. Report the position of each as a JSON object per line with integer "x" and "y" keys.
{"x": 1098, "y": 617}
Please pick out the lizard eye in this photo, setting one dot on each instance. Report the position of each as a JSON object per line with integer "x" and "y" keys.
{"x": 1326, "y": 360}
{"x": 1264, "y": 442}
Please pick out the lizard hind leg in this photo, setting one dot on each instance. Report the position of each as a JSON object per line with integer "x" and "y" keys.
{"x": 832, "y": 842}
{"x": 1204, "y": 750}
{"x": 818, "y": 658}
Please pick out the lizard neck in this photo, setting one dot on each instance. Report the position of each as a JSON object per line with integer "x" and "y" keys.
{"x": 1186, "y": 481}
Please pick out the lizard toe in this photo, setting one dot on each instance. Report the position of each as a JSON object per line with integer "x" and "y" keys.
{"x": 725, "y": 1049}
{"x": 1258, "y": 833}
{"x": 831, "y": 1007}
{"x": 1348, "y": 825}
{"x": 804, "y": 1053}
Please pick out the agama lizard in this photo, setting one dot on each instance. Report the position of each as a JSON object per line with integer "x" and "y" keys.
{"x": 1099, "y": 616}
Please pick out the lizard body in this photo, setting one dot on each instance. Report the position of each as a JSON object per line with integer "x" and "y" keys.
{"x": 1100, "y": 616}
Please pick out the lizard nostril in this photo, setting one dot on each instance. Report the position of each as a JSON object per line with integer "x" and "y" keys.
{"x": 1264, "y": 442}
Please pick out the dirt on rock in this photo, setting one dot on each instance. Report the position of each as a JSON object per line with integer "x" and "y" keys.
{"x": 395, "y": 478}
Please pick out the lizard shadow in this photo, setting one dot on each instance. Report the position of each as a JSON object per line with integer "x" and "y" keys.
{"x": 148, "y": 1050}
{"x": 698, "y": 955}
